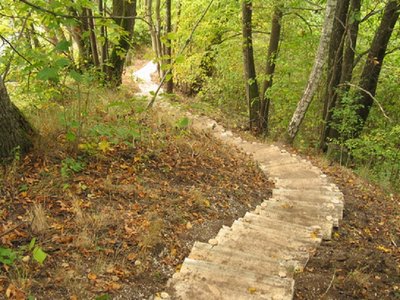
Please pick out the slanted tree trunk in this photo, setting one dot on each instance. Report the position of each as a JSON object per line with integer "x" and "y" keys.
{"x": 93, "y": 39}
{"x": 270, "y": 67}
{"x": 335, "y": 61}
{"x": 350, "y": 46}
{"x": 15, "y": 131}
{"x": 315, "y": 75}
{"x": 126, "y": 8}
{"x": 168, "y": 46}
{"x": 252, "y": 92}
{"x": 373, "y": 65}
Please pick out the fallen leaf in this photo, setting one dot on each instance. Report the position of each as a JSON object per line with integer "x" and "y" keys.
{"x": 114, "y": 286}
{"x": 131, "y": 256}
{"x": 92, "y": 276}
{"x": 383, "y": 248}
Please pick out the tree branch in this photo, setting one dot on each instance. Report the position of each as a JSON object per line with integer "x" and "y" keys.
{"x": 55, "y": 14}
{"x": 372, "y": 97}
{"x": 15, "y": 50}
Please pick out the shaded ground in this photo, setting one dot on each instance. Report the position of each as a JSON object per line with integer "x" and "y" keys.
{"x": 363, "y": 259}
{"x": 119, "y": 219}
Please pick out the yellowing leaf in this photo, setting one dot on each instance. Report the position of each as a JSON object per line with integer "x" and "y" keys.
{"x": 314, "y": 235}
{"x": 39, "y": 255}
{"x": 131, "y": 256}
{"x": 114, "y": 286}
{"x": 383, "y": 249}
{"x": 104, "y": 146}
{"x": 92, "y": 276}
{"x": 252, "y": 290}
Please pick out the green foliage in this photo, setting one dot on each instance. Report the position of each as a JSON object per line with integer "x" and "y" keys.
{"x": 183, "y": 123}
{"x": 345, "y": 119}
{"x": 70, "y": 165}
{"x": 7, "y": 256}
{"x": 379, "y": 152}
{"x": 10, "y": 256}
{"x": 103, "y": 297}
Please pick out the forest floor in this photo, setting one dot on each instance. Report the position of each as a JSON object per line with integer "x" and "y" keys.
{"x": 112, "y": 215}
{"x": 117, "y": 212}
{"x": 362, "y": 261}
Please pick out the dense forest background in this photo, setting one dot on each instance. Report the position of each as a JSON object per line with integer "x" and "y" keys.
{"x": 252, "y": 59}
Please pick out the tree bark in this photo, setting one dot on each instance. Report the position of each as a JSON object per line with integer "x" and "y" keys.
{"x": 168, "y": 47}
{"x": 373, "y": 65}
{"x": 315, "y": 75}
{"x": 15, "y": 131}
{"x": 124, "y": 8}
{"x": 274, "y": 40}
{"x": 252, "y": 92}
{"x": 350, "y": 47}
{"x": 93, "y": 39}
{"x": 160, "y": 50}
{"x": 103, "y": 35}
{"x": 335, "y": 61}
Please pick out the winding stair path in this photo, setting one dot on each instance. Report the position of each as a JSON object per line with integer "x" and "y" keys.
{"x": 257, "y": 257}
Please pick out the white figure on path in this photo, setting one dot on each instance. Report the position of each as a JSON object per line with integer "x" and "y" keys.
{"x": 143, "y": 76}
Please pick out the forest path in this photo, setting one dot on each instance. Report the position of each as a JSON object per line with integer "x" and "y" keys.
{"x": 257, "y": 257}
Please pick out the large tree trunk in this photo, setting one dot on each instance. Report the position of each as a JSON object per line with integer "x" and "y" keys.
{"x": 168, "y": 47}
{"x": 125, "y": 8}
{"x": 270, "y": 67}
{"x": 252, "y": 92}
{"x": 351, "y": 41}
{"x": 373, "y": 65}
{"x": 335, "y": 60}
{"x": 350, "y": 47}
{"x": 316, "y": 73}
{"x": 15, "y": 131}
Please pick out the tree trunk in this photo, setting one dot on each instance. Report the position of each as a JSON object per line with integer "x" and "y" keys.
{"x": 103, "y": 35}
{"x": 15, "y": 131}
{"x": 150, "y": 23}
{"x": 335, "y": 60}
{"x": 252, "y": 92}
{"x": 350, "y": 47}
{"x": 160, "y": 52}
{"x": 93, "y": 39}
{"x": 78, "y": 34}
{"x": 373, "y": 65}
{"x": 124, "y": 8}
{"x": 270, "y": 67}
{"x": 315, "y": 75}
{"x": 351, "y": 41}
{"x": 168, "y": 46}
